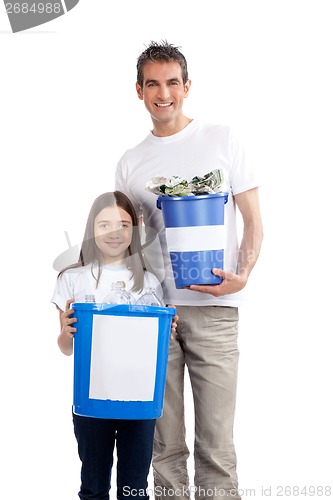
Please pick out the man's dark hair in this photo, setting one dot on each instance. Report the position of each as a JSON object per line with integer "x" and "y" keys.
{"x": 161, "y": 52}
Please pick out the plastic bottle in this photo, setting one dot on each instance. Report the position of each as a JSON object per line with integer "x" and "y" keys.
{"x": 118, "y": 294}
{"x": 149, "y": 298}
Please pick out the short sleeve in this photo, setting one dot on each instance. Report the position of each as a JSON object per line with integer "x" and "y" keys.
{"x": 242, "y": 173}
{"x": 63, "y": 291}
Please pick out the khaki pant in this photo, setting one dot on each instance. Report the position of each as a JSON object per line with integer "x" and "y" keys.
{"x": 206, "y": 341}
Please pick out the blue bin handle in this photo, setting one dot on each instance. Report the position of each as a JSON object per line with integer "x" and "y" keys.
{"x": 158, "y": 203}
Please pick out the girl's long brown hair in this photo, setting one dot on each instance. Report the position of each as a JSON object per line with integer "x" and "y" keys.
{"x": 90, "y": 254}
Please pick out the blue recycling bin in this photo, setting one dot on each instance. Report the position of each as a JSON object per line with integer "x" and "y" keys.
{"x": 120, "y": 360}
{"x": 195, "y": 234}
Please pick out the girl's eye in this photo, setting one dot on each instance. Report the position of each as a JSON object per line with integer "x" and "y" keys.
{"x": 107, "y": 226}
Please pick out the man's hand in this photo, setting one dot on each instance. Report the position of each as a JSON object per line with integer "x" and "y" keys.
{"x": 231, "y": 283}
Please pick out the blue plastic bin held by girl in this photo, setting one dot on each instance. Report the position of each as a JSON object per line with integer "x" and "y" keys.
{"x": 195, "y": 235}
{"x": 120, "y": 360}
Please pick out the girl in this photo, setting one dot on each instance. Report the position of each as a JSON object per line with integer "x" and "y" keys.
{"x": 110, "y": 252}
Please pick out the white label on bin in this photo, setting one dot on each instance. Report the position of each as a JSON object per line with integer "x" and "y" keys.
{"x": 195, "y": 238}
{"x": 123, "y": 358}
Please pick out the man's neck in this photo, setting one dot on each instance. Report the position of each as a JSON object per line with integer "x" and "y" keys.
{"x": 166, "y": 129}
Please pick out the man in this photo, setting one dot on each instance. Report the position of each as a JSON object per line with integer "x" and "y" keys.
{"x": 206, "y": 337}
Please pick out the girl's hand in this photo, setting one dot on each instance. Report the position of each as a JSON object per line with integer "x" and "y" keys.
{"x": 174, "y": 322}
{"x": 66, "y": 321}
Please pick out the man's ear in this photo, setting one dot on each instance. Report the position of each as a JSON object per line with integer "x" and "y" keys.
{"x": 187, "y": 87}
{"x": 139, "y": 91}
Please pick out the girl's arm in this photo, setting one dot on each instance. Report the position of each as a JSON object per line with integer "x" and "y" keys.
{"x": 65, "y": 339}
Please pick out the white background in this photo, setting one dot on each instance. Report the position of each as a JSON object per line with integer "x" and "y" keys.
{"x": 68, "y": 112}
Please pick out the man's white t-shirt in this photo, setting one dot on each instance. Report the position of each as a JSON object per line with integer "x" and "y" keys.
{"x": 196, "y": 150}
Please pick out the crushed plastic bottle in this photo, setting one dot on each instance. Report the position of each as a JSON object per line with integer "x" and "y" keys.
{"x": 149, "y": 298}
{"x": 118, "y": 294}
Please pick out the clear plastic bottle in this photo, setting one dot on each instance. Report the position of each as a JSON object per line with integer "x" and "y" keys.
{"x": 149, "y": 298}
{"x": 89, "y": 298}
{"x": 118, "y": 294}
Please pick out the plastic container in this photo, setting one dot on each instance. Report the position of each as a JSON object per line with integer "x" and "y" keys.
{"x": 120, "y": 360}
{"x": 195, "y": 235}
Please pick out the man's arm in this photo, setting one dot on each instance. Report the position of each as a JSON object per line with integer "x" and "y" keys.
{"x": 248, "y": 204}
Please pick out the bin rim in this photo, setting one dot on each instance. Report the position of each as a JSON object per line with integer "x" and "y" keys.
{"x": 123, "y": 308}
{"x": 192, "y": 197}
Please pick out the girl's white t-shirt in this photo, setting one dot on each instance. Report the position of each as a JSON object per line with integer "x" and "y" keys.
{"x": 79, "y": 282}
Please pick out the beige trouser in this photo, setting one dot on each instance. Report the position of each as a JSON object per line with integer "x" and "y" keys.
{"x": 206, "y": 341}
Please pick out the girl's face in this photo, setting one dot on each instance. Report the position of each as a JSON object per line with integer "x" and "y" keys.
{"x": 113, "y": 229}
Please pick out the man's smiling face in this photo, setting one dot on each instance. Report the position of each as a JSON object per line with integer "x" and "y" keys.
{"x": 163, "y": 93}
